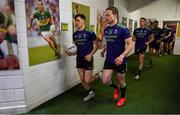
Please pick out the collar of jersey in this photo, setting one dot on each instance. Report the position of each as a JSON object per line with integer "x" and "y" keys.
{"x": 81, "y": 30}
{"x": 114, "y": 25}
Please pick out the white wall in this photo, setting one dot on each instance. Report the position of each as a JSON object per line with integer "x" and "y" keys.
{"x": 122, "y": 7}
{"x": 123, "y": 12}
{"x": 21, "y": 91}
{"x": 164, "y": 10}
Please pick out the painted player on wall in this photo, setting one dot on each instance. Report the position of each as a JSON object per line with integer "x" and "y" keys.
{"x": 9, "y": 58}
{"x": 46, "y": 25}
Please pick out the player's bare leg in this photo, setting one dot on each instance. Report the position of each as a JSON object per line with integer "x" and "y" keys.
{"x": 107, "y": 80}
{"x": 122, "y": 84}
{"x": 88, "y": 81}
{"x": 51, "y": 44}
{"x": 85, "y": 77}
{"x": 161, "y": 48}
{"x": 52, "y": 38}
{"x": 54, "y": 41}
{"x": 81, "y": 73}
{"x": 140, "y": 67}
{"x": 150, "y": 56}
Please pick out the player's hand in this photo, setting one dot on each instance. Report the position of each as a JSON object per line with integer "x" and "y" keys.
{"x": 158, "y": 41}
{"x": 147, "y": 43}
{"x": 119, "y": 60}
{"x": 29, "y": 27}
{"x": 88, "y": 58}
{"x": 102, "y": 53}
{"x": 68, "y": 53}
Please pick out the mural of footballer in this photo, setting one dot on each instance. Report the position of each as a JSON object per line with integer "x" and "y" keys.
{"x": 46, "y": 25}
{"x": 9, "y": 58}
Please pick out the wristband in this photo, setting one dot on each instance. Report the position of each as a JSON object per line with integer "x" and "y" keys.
{"x": 122, "y": 56}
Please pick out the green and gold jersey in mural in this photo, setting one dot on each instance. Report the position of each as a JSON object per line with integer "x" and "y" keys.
{"x": 44, "y": 20}
{"x": 3, "y": 21}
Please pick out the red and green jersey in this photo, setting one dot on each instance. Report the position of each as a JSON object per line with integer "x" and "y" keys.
{"x": 44, "y": 20}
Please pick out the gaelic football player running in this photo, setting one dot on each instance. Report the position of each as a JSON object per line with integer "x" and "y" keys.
{"x": 45, "y": 22}
{"x": 142, "y": 37}
{"x": 155, "y": 45}
{"x": 167, "y": 37}
{"x": 87, "y": 45}
{"x": 117, "y": 36}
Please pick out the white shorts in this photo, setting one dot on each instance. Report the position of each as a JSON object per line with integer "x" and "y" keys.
{"x": 47, "y": 34}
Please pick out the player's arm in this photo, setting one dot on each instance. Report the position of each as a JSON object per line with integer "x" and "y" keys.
{"x": 31, "y": 20}
{"x": 70, "y": 53}
{"x": 103, "y": 50}
{"x": 168, "y": 35}
{"x": 74, "y": 53}
{"x": 162, "y": 37}
{"x": 151, "y": 39}
{"x": 52, "y": 20}
{"x": 95, "y": 48}
{"x": 133, "y": 38}
{"x": 129, "y": 44}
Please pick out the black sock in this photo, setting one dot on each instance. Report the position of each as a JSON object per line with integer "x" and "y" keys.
{"x": 139, "y": 72}
{"x": 89, "y": 90}
{"x": 123, "y": 92}
{"x": 150, "y": 62}
{"x": 113, "y": 85}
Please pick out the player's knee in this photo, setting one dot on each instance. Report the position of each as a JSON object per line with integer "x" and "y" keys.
{"x": 88, "y": 81}
{"x": 82, "y": 79}
{"x": 106, "y": 81}
{"x": 49, "y": 42}
{"x": 123, "y": 84}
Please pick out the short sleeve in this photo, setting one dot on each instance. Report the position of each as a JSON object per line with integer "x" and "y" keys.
{"x": 161, "y": 30}
{"x": 93, "y": 36}
{"x": 73, "y": 37}
{"x": 34, "y": 15}
{"x": 150, "y": 32}
{"x": 126, "y": 33}
{"x": 49, "y": 14}
{"x": 134, "y": 32}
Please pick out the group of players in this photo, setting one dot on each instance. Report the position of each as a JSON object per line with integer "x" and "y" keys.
{"x": 156, "y": 39}
{"x": 119, "y": 43}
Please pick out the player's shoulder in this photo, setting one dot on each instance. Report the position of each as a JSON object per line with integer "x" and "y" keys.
{"x": 76, "y": 32}
{"x": 88, "y": 31}
{"x": 36, "y": 12}
{"x": 159, "y": 28}
{"x": 148, "y": 28}
{"x": 137, "y": 29}
{"x": 46, "y": 10}
{"x": 120, "y": 25}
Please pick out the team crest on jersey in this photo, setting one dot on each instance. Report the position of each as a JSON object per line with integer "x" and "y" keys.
{"x": 115, "y": 31}
{"x": 80, "y": 36}
{"x": 84, "y": 35}
{"x": 110, "y": 31}
{"x": 106, "y": 32}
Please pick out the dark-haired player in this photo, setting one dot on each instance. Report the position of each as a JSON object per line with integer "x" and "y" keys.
{"x": 86, "y": 43}
{"x": 155, "y": 45}
{"x": 142, "y": 37}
